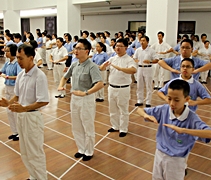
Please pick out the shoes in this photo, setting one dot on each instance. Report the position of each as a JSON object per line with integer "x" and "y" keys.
{"x": 148, "y": 105}
{"x": 14, "y": 137}
{"x": 186, "y": 172}
{"x": 135, "y": 81}
{"x": 139, "y": 104}
{"x": 78, "y": 155}
{"x": 87, "y": 158}
{"x": 99, "y": 100}
{"x": 204, "y": 82}
{"x": 122, "y": 134}
{"x": 159, "y": 88}
{"x": 155, "y": 88}
{"x": 60, "y": 96}
{"x": 112, "y": 130}
{"x": 49, "y": 69}
{"x": 44, "y": 64}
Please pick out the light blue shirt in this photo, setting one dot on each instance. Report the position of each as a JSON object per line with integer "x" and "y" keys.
{"x": 168, "y": 140}
{"x": 136, "y": 44}
{"x": 9, "y": 42}
{"x": 11, "y": 69}
{"x": 175, "y": 63}
{"x": 20, "y": 43}
{"x": 69, "y": 48}
{"x": 130, "y": 51}
{"x": 40, "y": 40}
{"x": 196, "y": 90}
{"x": 100, "y": 58}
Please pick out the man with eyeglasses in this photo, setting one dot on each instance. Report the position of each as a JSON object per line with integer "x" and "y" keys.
{"x": 173, "y": 64}
{"x": 145, "y": 56}
{"x": 86, "y": 80}
{"x": 121, "y": 66}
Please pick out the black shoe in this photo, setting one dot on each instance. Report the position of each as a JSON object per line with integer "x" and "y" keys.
{"x": 16, "y": 138}
{"x": 44, "y": 64}
{"x": 204, "y": 82}
{"x": 112, "y": 130}
{"x": 122, "y": 134}
{"x": 87, "y": 158}
{"x": 62, "y": 96}
{"x": 97, "y": 100}
{"x": 12, "y": 136}
{"x": 100, "y": 100}
{"x": 78, "y": 155}
{"x": 139, "y": 104}
{"x": 135, "y": 81}
{"x": 148, "y": 105}
{"x": 58, "y": 96}
{"x": 155, "y": 88}
{"x": 186, "y": 172}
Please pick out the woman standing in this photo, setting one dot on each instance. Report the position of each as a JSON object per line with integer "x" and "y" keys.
{"x": 99, "y": 58}
{"x": 9, "y": 71}
{"x": 48, "y": 47}
{"x": 58, "y": 57}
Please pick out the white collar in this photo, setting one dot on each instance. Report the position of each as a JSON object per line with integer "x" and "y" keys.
{"x": 191, "y": 80}
{"x": 191, "y": 57}
{"x": 100, "y": 52}
{"x": 13, "y": 62}
{"x": 182, "y": 117}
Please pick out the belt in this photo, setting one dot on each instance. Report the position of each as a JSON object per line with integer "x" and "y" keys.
{"x": 124, "y": 86}
{"x": 32, "y": 110}
{"x": 48, "y": 48}
{"x": 145, "y": 65}
{"x": 161, "y": 58}
{"x": 58, "y": 63}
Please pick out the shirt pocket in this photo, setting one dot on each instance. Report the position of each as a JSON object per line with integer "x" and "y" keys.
{"x": 85, "y": 77}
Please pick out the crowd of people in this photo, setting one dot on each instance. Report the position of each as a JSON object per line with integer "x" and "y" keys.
{"x": 86, "y": 62}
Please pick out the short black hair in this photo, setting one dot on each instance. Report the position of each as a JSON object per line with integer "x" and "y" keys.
{"x": 103, "y": 46}
{"x": 145, "y": 37}
{"x": 188, "y": 41}
{"x": 180, "y": 84}
{"x": 60, "y": 39}
{"x": 49, "y": 36}
{"x": 28, "y": 50}
{"x": 33, "y": 43}
{"x": 10, "y": 36}
{"x": 92, "y": 35}
{"x": 69, "y": 37}
{"x": 113, "y": 39}
{"x": 206, "y": 41}
{"x": 55, "y": 35}
{"x": 76, "y": 38}
{"x": 123, "y": 41}
{"x": 13, "y": 49}
{"x": 203, "y": 35}
{"x": 108, "y": 33}
{"x": 39, "y": 34}
{"x": 188, "y": 59}
{"x": 44, "y": 33}
{"x": 86, "y": 43}
{"x": 162, "y": 33}
{"x": 197, "y": 37}
{"x": 38, "y": 30}
{"x": 86, "y": 32}
{"x": 17, "y": 35}
{"x": 186, "y": 36}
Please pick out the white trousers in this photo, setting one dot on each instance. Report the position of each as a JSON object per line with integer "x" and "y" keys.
{"x": 118, "y": 99}
{"x": 158, "y": 76}
{"x": 144, "y": 76}
{"x": 58, "y": 74}
{"x": 168, "y": 168}
{"x": 31, "y": 137}
{"x": 12, "y": 116}
{"x": 82, "y": 116}
{"x": 49, "y": 63}
{"x": 204, "y": 76}
{"x": 42, "y": 52}
{"x": 100, "y": 93}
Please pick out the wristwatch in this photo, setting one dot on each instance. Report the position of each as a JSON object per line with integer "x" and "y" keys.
{"x": 7, "y": 77}
{"x": 86, "y": 92}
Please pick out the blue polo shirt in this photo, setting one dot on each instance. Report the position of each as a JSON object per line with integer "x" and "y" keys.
{"x": 196, "y": 90}
{"x": 168, "y": 140}
{"x": 175, "y": 63}
{"x": 130, "y": 51}
{"x": 69, "y": 48}
{"x": 100, "y": 58}
{"x": 11, "y": 69}
{"x": 136, "y": 44}
{"x": 40, "y": 40}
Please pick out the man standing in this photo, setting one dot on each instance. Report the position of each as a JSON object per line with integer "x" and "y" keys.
{"x": 31, "y": 93}
{"x": 173, "y": 64}
{"x": 121, "y": 67}
{"x": 86, "y": 80}
{"x": 145, "y": 56}
{"x": 162, "y": 49}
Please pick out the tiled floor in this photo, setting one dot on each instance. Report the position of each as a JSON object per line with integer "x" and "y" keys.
{"x": 128, "y": 158}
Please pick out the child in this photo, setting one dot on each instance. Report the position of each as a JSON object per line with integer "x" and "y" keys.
{"x": 179, "y": 128}
{"x": 196, "y": 89}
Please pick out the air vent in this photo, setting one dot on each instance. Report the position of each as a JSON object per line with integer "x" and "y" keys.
{"x": 115, "y": 7}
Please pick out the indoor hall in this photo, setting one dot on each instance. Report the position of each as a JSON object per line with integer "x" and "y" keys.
{"x": 127, "y": 158}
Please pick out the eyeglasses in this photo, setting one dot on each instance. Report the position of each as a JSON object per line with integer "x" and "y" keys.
{"x": 79, "y": 49}
{"x": 185, "y": 47}
{"x": 119, "y": 46}
{"x": 187, "y": 67}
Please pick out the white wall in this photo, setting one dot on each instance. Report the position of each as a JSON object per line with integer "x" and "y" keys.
{"x": 37, "y": 23}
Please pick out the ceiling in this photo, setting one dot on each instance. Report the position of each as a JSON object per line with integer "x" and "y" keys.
{"x": 139, "y": 6}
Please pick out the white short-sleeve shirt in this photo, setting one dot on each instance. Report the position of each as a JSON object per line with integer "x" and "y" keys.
{"x": 37, "y": 57}
{"x": 59, "y": 53}
{"x": 163, "y": 47}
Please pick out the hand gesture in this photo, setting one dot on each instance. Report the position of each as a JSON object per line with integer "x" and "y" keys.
{"x": 79, "y": 93}
{"x": 151, "y": 118}
{"x": 116, "y": 67}
{"x": 4, "y": 102}
{"x": 16, "y": 107}
{"x": 175, "y": 71}
{"x": 146, "y": 61}
{"x": 61, "y": 88}
{"x": 175, "y": 128}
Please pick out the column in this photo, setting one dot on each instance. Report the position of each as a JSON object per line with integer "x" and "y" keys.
{"x": 12, "y": 21}
{"x": 162, "y": 15}
{"x": 68, "y": 18}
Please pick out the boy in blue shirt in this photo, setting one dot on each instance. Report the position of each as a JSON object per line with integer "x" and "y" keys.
{"x": 179, "y": 128}
{"x": 196, "y": 88}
